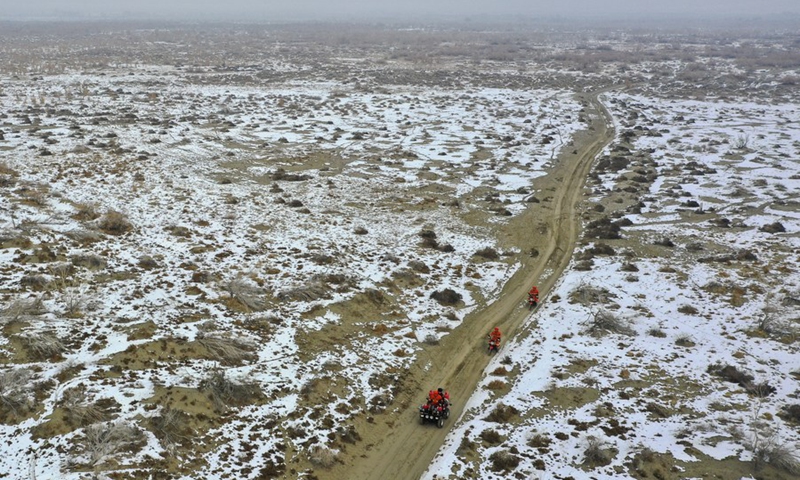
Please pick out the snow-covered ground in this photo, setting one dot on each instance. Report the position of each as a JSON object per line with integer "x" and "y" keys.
{"x": 587, "y": 402}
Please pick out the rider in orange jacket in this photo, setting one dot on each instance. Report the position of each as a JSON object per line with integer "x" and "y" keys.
{"x": 534, "y": 294}
{"x": 495, "y": 335}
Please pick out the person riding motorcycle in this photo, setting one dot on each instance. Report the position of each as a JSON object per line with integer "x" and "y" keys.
{"x": 444, "y": 397}
{"x": 533, "y": 294}
{"x": 495, "y": 335}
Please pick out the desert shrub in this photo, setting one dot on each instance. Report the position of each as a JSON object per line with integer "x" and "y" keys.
{"x": 281, "y": 174}
{"x": 776, "y": 227}
{"x": 684, "y": 340}
{"x": 466, "y": 446}
{"x": 731, "y": 374}
{"x": 86, "y": 212}
{"x": 603, "y": 228}
{"x": 418, "y": 266}
{"x": 314, "y": 289}
{"x": 23, "y": 308}
{"x": 596, "y": 453}
{"x": 226, "y": 349}
{"x": 540, "y": 441}
{"x": 241, "y": 289}
{"x": 431, "y": 339}
{"x": 224, "y": 392}
{"x": 360, "y": 231}
{"x": 171, "y": 427}
{"x": 585, "y": 294}
{"x": 491, "y": 437}
{"x": 42, "y": 345}
{"x": 688, "y": 310}
{"x": 88, "y": 260}
{"x": 148, "y": 262}
{"x": 101, "y": 441}
{"x": 448, "y": 296}
{"x": 80, "y": 412}
{"x": 15, "y": 394}
{"x": 114, "y": 223}
{"x": 629, "y": 267}
{"x": 601, "y": 248}
{"x": 791, "y": 413}
{"x": 502, "y": 413}
{"x": 322, "y": 456}
{"x": 504, "y": 461}
{"x": 496, "y": 385}
{"x": 656, "y": 332}
{"x": 34, "y": 281}
{"x": 771, "y": 451}
{"x": 603, "y": 322}
{"x": 487, "y": 253}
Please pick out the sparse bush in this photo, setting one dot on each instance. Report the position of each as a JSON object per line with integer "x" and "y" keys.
{"x": 487, "y": 253}
{"x": 23, "y": 308}
{"x": 684, "y": 340}
{"x": 448, "y": 296}
{"x": 504, "y": 461}
{"x": 226, "y": 349}
{"x": 688, "y": 310}
{"x": 42, "y": 346}
{"x": 491, "y": 437}
{"x": 224, "y": 392}
{"x": 603, "y": 228}
{"x": 244, "y": 292}
{"x": 776, "y": 227}
{"x": 502, "y": 413}
{"x": 322, "y": 456}
{"x": 771, "y": 451}
{"x": 597, "y": 453}
{"x": 431, "y": 339}
{"x": 88, "y": 260}
{"x": 104, "y": 440}
{"x": 731, "y": 374}
{"x": 586, "y": 295}
{"x": 79, "y": 412}
{"x": 791, "y": 413}
{"x": 603, "y": 322}
{"x": 656, "y": 332}
{"x": 172, "y": 429}
{"x": 15, "y": 394}
{"x": 114, "y": 223}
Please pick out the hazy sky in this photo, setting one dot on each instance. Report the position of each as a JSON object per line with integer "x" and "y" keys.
{"x": 321, "y": 9}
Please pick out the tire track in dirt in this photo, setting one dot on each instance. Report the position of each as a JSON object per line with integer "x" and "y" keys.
{"x": 395, "y": 445}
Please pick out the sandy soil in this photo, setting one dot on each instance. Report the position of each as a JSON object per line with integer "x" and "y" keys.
{"x": 394, "y": 444}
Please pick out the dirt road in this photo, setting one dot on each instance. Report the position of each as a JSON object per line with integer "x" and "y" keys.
{"x": 395, "y": 445}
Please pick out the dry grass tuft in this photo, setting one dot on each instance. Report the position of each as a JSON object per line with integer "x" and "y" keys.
{"x": 101, "y": 441}
{"x": 603, "y": 322}
{"x": 15, "y": 394}
{"x": 322, "y": 456}
{"x": 503, "y": 461}
{"x": 224, "y": 392}
{"x": 42, "y": 345}
{"x": 114, "y": 223}
{"x": 226, "y": 349}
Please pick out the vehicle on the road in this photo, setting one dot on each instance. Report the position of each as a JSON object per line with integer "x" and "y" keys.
{"x": 532, "y": 302}
{"x": 434, "y": 413}
{"x": 436, "y": 409}
{"x": 494, "y": 345}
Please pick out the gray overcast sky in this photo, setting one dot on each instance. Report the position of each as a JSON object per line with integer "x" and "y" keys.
{"x": 321, "y": 9}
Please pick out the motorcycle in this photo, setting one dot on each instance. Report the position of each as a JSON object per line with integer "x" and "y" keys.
{"x": 533, "y": 301}
{"x": 494, "y": 345}
{"x": 436, "y": 413}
